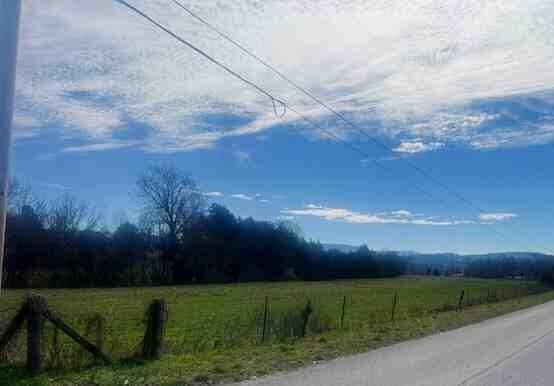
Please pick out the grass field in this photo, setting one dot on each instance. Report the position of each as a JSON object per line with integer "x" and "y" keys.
{"x": 214, "y": 332}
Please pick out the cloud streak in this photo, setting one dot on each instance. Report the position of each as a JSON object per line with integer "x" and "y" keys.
{"x": 417, "y": 146}
{"x": 420, "y": 71}
{"x": 494, "y": 217}
{"x": 401, "y": 216}
{"x": 242, "y": 196}
{"x": 213, "y": 194}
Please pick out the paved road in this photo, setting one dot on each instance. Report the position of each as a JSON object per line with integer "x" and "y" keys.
{"x": 516, "y": 349}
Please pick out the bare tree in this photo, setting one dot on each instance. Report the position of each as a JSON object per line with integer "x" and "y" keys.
{"x": 67, "y": 215}
{"x": 170, "y": 199}
{"x": 94, "y": 219}
{"x": 170, "y": 204}
{"x": 13, "y": 190}
{"x": 21, "y": 197}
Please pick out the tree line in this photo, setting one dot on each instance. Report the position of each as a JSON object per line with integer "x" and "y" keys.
{"x": 536, "y": 267}
{"x": 178, "y": 239}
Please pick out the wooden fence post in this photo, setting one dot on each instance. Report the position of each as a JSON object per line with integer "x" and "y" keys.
{"x": 155, "y": 329}
{"x": 36, "y": 307}
{"x": 66, "y": 329}
{"x": 460, "y": 300}
{"x": 95, "y": 330}
{"x": 13, "y": 327}
{"x": 305, "y": 316}
{"x": 56, "y": 349}
{"x": 342, "y": 313}
{"x": 395, "y": 300}
{"x": 265, "y": 319}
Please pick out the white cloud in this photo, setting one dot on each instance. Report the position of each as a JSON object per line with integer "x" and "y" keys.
{"x": 286, "y": 218}
{"x": 241, "y": 196}
{"x": 515, "y": 136}
{"x": 452, "y": 126}
{"x": 25, "y": 126}
{"x": 314, "y": 206}
{"x": 402, "y": 213}
{"x": 213, "y": 194}
{"x": 396, "y": 217}
{"x": 86, "y": 68}
{"x": 413, "y": 147}
{"x": 494, "y": 217}
{"x": 101, "y": 146}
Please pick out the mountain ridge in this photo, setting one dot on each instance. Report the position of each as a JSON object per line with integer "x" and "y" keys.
{"x": 347, "y": 248}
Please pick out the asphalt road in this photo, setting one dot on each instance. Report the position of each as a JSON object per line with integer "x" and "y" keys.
{"x": 515, "y": 349}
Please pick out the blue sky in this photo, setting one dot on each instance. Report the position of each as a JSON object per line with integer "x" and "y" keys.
{"x": 463, "y": 90}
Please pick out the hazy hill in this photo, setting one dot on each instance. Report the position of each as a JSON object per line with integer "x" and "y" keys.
{"x": 344, "y": 248}
{"x": 422, "y": 262}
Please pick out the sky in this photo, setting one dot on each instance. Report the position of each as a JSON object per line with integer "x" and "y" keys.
{"x": 460, "y": 93}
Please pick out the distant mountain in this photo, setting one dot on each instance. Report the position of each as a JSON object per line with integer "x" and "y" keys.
{"x": 516, "y": 255}
{"x": 451, "y": 262}
{"x": 433, "y": 260}
{"x": 454, "y": 256}
{"x": 436, "y": 259}
{"x": 403, "y": 253}
{"x": 344, "y": 248}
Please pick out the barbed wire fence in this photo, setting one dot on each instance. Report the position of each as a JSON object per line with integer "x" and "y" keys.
{"x": 147, "y": 332}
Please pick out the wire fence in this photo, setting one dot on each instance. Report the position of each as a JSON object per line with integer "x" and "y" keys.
{"x": 226, "y": 323}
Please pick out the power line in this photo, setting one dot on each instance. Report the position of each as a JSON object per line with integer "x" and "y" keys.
{"x": 341, "y": 116}
{"x": 304, "y": 117}
{"x": 262, "y": 91}
{"x": 322, "y": 103}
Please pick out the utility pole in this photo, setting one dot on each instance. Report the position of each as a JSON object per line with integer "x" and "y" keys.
{"x": 10, "y": 11}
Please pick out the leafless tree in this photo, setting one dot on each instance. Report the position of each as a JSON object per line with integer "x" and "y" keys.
{"x": 21, "y": 196}
{"x": 67, "y": 215}
{"x": 170, "y": 200}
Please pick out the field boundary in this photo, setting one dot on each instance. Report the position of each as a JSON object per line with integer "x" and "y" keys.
{"x": 303, "y": 326}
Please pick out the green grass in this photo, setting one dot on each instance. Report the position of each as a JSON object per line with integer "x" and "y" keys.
{"x": 214, "y": 331}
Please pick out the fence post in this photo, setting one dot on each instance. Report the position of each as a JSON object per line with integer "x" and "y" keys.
{"x": 461, "y": 299}
{"x": 56, "y": 346}
{"x": 36, "y": 306}
{"x": 96, "y": 327}
{"x": 66, "y": 329}
{"x": 265, "y": 319}
{"x": 13, "y": 327}
{"x": 342, "y": 312}
{"x": 305, "y": 316}
{"x": 395, "y": 300}
{"x": 155, "y": 329}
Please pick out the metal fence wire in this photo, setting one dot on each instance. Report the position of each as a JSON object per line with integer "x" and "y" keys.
{"x": 221, "y": 322}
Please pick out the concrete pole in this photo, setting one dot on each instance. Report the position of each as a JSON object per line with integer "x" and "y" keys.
{"x": 9, "y": 29}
